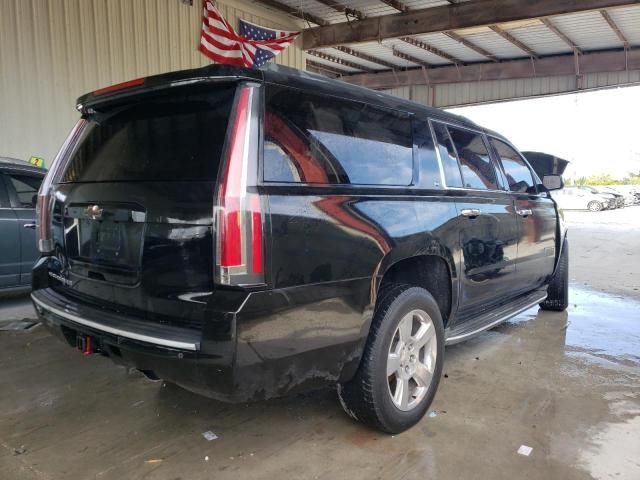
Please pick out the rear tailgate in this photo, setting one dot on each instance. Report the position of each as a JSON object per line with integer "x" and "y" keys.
{"x": 133, "y": 214}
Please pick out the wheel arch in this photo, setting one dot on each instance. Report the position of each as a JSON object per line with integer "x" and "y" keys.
{"x": 415, "y": 270}
{"x": 431, "y": 272}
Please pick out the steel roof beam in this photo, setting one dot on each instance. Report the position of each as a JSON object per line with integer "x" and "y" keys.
{"x": 469, "y": 44}
{"x": 446, "y": 18}
{"x": 547, "y": 23}
{"x": 433, "y": 50}
{"x": 340, "y": 61}
{"x": 615, "y": 28}
{"x": 368, "y": 58}
{"x": 514, "y": 41}
{"x": 593, "y": 62}
{"x": 411, "y": 58}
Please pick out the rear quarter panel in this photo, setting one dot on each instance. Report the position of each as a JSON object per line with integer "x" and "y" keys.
{"x": 329, "y": 247}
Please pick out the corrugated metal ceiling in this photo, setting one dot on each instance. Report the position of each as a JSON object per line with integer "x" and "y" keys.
{"x": 369, "y": 8}
{"x": 450, "y": 46}
{"x": 628, "y": 20}
{"x": 493, "y": 43}
{"x": 589, "y": 31}
{"x": 540, "y": 39}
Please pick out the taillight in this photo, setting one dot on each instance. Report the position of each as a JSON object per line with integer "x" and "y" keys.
{"x": 256, "y": 233}
{"x": 44, "y": 206}
{"x": 239, "y": 252}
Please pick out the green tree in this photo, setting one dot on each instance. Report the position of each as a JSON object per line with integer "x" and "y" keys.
{"x": 632, "y": 179}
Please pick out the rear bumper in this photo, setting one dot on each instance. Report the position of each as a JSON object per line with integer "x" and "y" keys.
{"x": 172, "y": 353}
{"x": 248, "y": 346}
{"x": 243, "y": 367}
{"x": 50, "y": 304}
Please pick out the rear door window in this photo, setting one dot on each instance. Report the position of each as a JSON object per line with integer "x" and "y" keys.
{"x": 158, "y": 139}
{"x": 518, "y": 173}
{"x": 323, "y": 140}
{"x": 475, "y": 163}
{"x": 26, "y": 188}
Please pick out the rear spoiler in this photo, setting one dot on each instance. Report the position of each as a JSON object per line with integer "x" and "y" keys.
{"x": 118, "y": 92}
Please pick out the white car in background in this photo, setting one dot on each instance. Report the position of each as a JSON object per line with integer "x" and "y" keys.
{"x": 628, "y": 197}
{"x": 576, "y": 198}
{"x": 615, "y": 199}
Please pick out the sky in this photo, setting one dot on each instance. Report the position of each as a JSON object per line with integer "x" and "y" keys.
{"x": 597, "y": 131}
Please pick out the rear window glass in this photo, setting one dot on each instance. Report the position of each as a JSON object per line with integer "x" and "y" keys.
{"x": 322, "y": 140}
{"x": 160, "y": 139}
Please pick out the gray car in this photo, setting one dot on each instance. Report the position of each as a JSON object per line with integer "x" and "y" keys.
{"x": 19, "y": 184}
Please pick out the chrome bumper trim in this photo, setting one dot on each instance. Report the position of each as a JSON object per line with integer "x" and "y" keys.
{"x": 164, "y": 342}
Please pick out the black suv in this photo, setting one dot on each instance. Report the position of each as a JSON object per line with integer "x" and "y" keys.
{"x": 247, "y": 233}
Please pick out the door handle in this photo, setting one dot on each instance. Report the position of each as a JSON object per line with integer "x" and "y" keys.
{"x": 525, "y": 212}
{"x": 32, "y": 226}
{"x": 470, "y": 212}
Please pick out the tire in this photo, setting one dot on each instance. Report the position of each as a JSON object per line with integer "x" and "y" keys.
{"x": 558, "y": 290}
{"x": 594, "y": 206}
{"x": 369, "y": 396}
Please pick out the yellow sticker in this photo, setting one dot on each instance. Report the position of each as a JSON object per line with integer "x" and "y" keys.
{"x": 37, "y": 161}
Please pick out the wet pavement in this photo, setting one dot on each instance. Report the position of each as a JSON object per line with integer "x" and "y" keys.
{"x": 565, "y": 384}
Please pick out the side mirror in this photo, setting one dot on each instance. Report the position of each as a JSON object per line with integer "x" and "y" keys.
{"x": 552, "y": 182}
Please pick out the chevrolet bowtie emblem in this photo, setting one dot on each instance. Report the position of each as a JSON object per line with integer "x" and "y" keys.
{"x": 94, "y": 212}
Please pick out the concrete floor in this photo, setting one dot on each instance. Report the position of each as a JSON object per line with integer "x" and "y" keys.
{"x": 567, "y": 385}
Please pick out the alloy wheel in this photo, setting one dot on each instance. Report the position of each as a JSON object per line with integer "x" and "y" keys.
{"x": 412, "y": 359}
{"x": 594, "y": 206}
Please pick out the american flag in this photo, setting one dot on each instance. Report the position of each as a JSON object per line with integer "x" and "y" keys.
{"x": 253, "y": 47}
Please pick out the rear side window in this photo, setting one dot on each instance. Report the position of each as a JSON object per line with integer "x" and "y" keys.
{"x": 161, "y": 139}
{"x": 322, "y": 140}
{"x": 475, "y": 162}
{"x": 447, "y": 155}
{"x": 518, "y": 173}
{"x": 26, "y": 188}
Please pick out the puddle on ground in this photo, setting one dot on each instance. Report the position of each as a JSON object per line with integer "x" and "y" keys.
{"x": 599, "y": 327}
{"x": 604, "y": 326}
{"x": 615, "y": 446}
{"x": 599, "y": 338}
